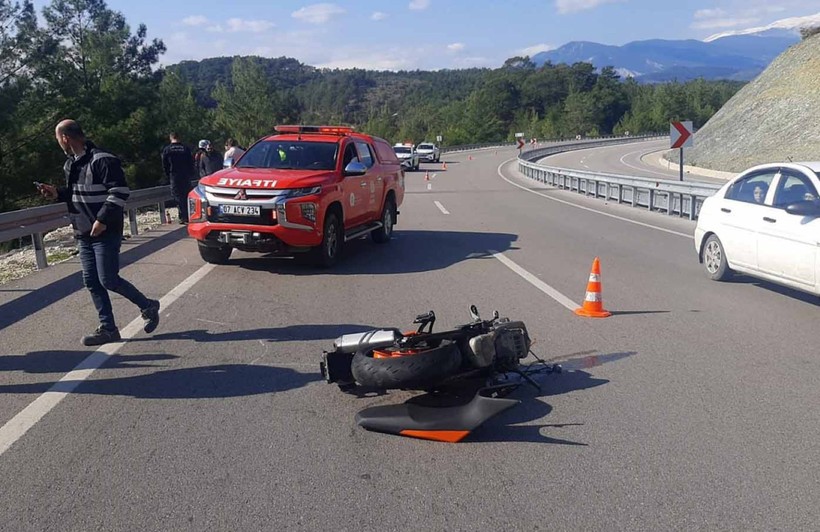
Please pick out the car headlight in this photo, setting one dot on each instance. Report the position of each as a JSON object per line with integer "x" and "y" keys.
{"x": 299, "y": 192}
{"x": 197, "y": 205}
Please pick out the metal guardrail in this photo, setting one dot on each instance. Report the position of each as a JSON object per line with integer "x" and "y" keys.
{"x": 469, "y": 147}
{"x": 657, "y": 195}
{"x": 36, "y": 221}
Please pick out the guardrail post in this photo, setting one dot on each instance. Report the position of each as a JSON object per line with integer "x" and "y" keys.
{"x": 692, "y": 203}
{"x": 132, "y": 217}
{"x": 651, "y": 198}
{"x": 39, "y": 251}
{"x": 670, "y": 199}
{"x": 162, "y": 218}
{"x": 634, "y": 196}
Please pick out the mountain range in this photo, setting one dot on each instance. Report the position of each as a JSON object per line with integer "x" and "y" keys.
{"x": 738, "y": 55}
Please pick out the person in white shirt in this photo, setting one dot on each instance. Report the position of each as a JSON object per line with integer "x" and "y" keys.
{"x": 232, "y": 152}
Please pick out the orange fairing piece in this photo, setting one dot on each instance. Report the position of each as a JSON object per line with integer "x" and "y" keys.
{"x": 449, "y": 436}
{"x": 395, "y": 354}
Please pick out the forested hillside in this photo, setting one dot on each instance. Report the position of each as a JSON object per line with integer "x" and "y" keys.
{"x": 82, "y": 60}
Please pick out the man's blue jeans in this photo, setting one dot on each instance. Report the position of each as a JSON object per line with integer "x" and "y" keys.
{"x": 100, "y": 258}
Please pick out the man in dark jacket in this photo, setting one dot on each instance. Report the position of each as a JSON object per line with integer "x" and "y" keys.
{"x": 178, "y": 164}
{"x": 95, "y": 194}
{"x": 210, "y": 162}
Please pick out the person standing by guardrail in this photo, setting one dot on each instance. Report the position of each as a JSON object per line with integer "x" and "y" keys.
{"x": 95, "y": 193}
{"x": 178, "y": 164}
{"x": 210, "y": 162}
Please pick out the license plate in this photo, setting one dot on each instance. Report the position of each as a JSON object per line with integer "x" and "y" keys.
{"x": 240, "y": 210}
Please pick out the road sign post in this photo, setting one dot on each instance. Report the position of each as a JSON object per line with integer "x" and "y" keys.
{"x": 519, "y": 137}
{"x": 681, "y": 136}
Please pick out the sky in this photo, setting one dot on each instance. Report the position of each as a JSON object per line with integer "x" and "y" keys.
{"x": 431, "y": 34}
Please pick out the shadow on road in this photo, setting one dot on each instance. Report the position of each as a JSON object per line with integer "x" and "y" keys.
{"x": 289, "y": 333}
{"x": 412, "y": 251}
{"x": 57, "y": 361}
{"x": 514, "y": 425}
{"x": 34, "y": 301}
{"x": 779, "y": 289}
{"x": 508, "y": 426}
{"x": 205, "y": 382}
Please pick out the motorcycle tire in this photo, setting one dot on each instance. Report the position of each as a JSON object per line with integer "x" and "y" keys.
{"x": 418, "y": 371}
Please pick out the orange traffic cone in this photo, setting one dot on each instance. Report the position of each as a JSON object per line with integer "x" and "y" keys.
{"x": 427, "y": 175}
{"x": 444, "y": 165}
{"x": 469, "y": 157}
{"x": 594, "y": 302}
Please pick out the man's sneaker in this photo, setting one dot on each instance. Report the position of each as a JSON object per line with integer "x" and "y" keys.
{"x": 151, "y": 316}
{"x": 102, "y": 336}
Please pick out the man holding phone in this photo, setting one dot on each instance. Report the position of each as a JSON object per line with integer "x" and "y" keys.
{"x": 95, "y": 194}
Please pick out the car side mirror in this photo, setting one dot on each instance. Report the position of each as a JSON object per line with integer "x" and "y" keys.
{"x": 355, "y": 168}
{"x": 804, "y": 208}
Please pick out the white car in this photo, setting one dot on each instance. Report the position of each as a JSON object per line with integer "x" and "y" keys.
{"x": 765, "y": 223}
{"x": 429, "y": 152}
{"x": 407, "y": 156}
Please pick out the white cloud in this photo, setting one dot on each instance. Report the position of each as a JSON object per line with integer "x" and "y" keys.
{"x": 571, "y": 6}
{"x": 195, "y": 20}
{"x": 709, "y": 13}
{"x": 456, "y": 47}
{"x": 419, "y": 5}
{"x": 253, "y": 26}
{"x": 318, "y": 13}
{"x": 535, "y": 49}
{"x": 378, "y": 15}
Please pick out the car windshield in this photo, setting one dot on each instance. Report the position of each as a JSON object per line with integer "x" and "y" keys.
{"x": 425, "y": 146}
{"x": 290, "y": 155}
{"x": 402, "y": 149}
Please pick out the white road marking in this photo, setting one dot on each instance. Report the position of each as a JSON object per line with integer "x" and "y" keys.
{"x": 429, "y": 186}
{"x": 602, "y": 213}
{"x": 667, "y": 175}
{"x": 441, "y": 207}
{"x": 536, "y": 282}
{"x": 17, "y": 426}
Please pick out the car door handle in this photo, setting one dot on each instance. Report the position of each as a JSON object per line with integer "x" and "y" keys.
{"x": 724, "y": 209}
{"x": 363, "y": 184}
{"x": 379, "y": 178}
{"x": 770, "y": 220}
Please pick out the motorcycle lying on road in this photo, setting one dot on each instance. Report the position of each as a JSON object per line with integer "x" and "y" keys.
{"x": 467, "y": 371}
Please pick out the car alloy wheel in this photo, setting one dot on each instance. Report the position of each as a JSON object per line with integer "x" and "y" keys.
{"x": 712, "y": 256}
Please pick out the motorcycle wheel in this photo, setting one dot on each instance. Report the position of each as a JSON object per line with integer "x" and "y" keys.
{"x": 396, "y": 368}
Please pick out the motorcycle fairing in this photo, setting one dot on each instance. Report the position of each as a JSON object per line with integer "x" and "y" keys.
{"x": 439, "y": 423}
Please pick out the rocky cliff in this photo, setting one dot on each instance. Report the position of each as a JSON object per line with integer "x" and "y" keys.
{"x": 776, "y": 117}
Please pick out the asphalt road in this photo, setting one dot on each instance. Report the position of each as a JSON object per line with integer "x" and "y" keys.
{"x": 692, "y": 407}
{"x": 628, "y": 159}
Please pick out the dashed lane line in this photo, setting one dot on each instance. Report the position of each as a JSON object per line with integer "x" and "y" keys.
{"x": 17, "y": 426}
{"x": 441, "y": 207}
{"x": 535, "y": 281}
